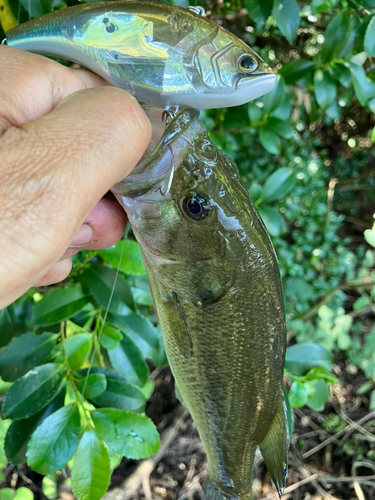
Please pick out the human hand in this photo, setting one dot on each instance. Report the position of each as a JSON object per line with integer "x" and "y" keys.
{"x": 65, "y": 139}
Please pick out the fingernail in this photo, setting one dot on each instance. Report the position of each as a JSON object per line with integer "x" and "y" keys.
{"x": 83, "y": 236}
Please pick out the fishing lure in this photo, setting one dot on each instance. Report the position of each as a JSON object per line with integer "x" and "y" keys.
{"x": 164, "y": 55}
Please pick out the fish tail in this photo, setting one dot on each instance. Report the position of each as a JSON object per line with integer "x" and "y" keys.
{"x": 215, "y": 492}
{"x": 274, "y": 447}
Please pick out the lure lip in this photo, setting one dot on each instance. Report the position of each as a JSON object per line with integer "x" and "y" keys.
{"x": 257, "y": 85}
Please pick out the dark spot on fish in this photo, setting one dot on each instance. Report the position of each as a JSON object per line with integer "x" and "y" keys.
{"x": 105, "y": 20}
{"x": 211, "y": 297}
{"x": 2, "y": 8}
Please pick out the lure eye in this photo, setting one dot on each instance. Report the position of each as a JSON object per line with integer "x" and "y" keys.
{"x": 247, "y": 64}
{"x": 110, "y": 27}
{"x": 195, "y": 207}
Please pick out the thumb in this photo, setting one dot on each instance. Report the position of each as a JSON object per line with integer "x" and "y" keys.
{"x": 54, "y": 170}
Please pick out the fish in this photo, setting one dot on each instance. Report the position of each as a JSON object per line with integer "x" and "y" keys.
{"x": 165, "y": 56}
{"x": 217, "y": 291}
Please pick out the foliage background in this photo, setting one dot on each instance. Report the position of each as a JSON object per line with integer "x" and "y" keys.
{"x": 305, "y": 152}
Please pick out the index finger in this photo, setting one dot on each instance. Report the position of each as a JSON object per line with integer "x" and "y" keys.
{"x": 37, "y": 85}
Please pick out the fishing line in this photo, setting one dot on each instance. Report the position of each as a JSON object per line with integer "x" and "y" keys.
{"x": 127, "y": 229}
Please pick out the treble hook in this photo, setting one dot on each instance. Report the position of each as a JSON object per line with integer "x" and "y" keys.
{"x": 168, "y": 115}
{"x": 197, "y": 9}
{"x": 4, "y": 42}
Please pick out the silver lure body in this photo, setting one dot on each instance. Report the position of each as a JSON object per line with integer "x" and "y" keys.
{"x": 163, "y": 55}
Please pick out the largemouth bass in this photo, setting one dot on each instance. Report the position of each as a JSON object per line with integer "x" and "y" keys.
{"x": 164, "y": 55}
{"x": 217, "y": 291}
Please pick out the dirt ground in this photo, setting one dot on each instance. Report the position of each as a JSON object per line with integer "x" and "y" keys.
{"x": 332, "y": 453}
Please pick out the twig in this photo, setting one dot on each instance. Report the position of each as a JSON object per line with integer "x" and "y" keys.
{"x": 347, "y": 429}
{"x": 349, "y": 285}
{"x": 193, "y": 485}
{"x": 294, "y": 487}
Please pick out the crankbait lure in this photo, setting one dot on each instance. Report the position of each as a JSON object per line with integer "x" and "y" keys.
{"x": 165, "y": 56}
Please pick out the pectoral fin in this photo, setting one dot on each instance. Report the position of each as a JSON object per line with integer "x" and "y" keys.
{"x": 274, "y": 447}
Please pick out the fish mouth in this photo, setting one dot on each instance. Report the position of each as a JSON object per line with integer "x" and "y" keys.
{"x": 252, "y": 87}
{"x": 153, "y": 176}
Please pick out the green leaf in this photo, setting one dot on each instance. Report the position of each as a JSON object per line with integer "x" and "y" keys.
{"x": 121, "y": 395}
{"x": 54, "y": 441}
{"x": 255, "y": 113}
{"x": 361, "y": 303}
{"x": 58, "y": 305}
{"x": 369, "y": 43}
{"x": 128, "y": 361}
{"x": 49, "y": 487}
{"x": 342, "y": 74}
{"x": 23, "y": 494}
{"x": 143, "y": 333}
{"x": 93, "y": 386}
{"x": 259, "y": 10}
{"x": 324, "y": 89}
{"x": 132, "y": 435}
{"x": 286, "y": 14}
{"x": 6, "y": 494}
{"x": 319, "y": 397}
{"x": 148, "y": 389}
{"x": 8, "y": 325}
{"x": 373, "y": 136}
{"x": 110, "y": 337}
{"x": 24, "y": 353}
{"x": 101, "y": 280}
{"x": 279, "y": 127}
{"x": 335, "y": 36}
{"x": 4, "y": 426}
{"x": 91, "y": 468}
{"x": 36, "y": 8}
{"x": 370, "y": 369}
{"x": 278, "y": 185}
{"x": 364, "y": 87}
{"x": 20, "y": 431}
{"x": 295, "y": 70}
{"x": 77, "y": 349}
{"x": 320, "y": 373}
{"x": 300, "y": 358}
{"x": 131, "y": 262}
{"x": 319, "y": 6}
{"x": 365, "y": 387}
{"x": 370, "y": 237}
{"x": 361, "y": 33}
{"x": 141, "y": 291}
{"x": 272, "y": 219}
{"x": 274, "y": 99}
{"x": 372, "y": 400}
{"x": 270, "y": 141}
{"x": 32, "y": 392}
{"x": 297, "y": 394}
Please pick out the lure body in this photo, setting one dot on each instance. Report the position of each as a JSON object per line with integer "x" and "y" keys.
{"x": 162, "y": 54}
{"x": 217, "y": 291}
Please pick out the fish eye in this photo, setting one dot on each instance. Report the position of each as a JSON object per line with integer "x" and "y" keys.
{"x": 195, "y": 206}
{"x": 247, "y": 64}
